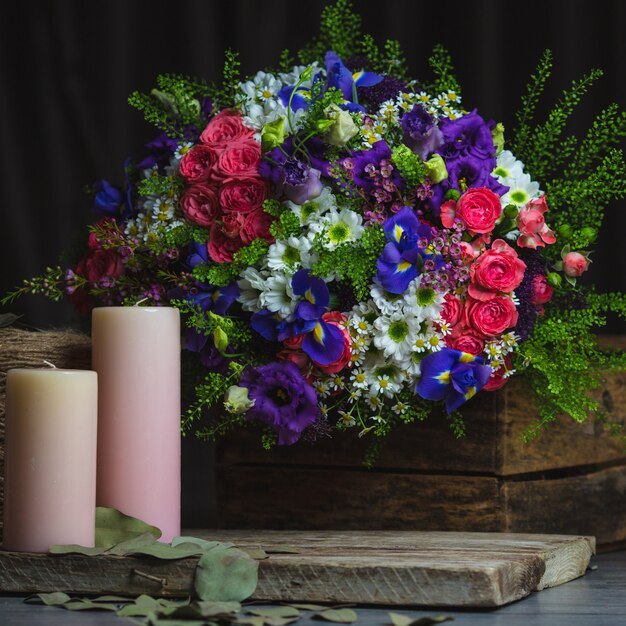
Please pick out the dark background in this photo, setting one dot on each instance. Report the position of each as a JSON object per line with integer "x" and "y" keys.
{"x": 67, "y": 67}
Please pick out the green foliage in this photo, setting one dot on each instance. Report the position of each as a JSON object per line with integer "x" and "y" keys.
{"x": 410, "y": 166}
{"x": 51, "y": 284}
{"x": 160, "y": 185}
{"x": 272, "y": 207}
{"x": 354, "y": 261}
{"x": 316, "y": 113}
{"x": 340, "y": 29}
{"x": 221, "y": 274}
{"x": 391, "y": 60}
{"x": 287, "y": 224}
{"x": 440, "y": 62}
{"x": 227, "y": 95}
{"x": 286, "y": 61}
{"x": 185, "y": 234}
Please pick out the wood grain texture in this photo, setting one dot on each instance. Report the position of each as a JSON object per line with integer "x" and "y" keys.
{"x": 318, "y": 497}
{"x": 410, "y": 569}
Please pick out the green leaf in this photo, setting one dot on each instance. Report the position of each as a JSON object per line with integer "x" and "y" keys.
{"x": 132, "y": 545}
{"x": 226, "y": 574}
{"x": 55, "y": 598}
{"x": 283, "y": 549}
{"x": 75, "y": 549}
{"x": 256, "y": 553}
{"x": 308, "y": 607}
{"x": 113, "y": 527}
{"x": 339, "y": 616}
{"x": 6, "y": 319}
{"x": 274, "y": 611}
{"x": 404, "y": 620}
{"x": 203, "y": 544}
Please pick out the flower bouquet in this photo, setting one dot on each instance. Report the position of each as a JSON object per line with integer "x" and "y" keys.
{"x": 350, "y": 245}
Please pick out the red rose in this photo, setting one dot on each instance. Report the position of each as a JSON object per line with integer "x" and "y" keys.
{"x": 243, "y": 195}
{"x": 451, "y": 310}
{"x": 294, "y": 343}
{"x": 226, "y": 127}
{"x": 479, "y": 208}
{"x": 200, "y": 205}
{"x": 541, "y": 291}
{"x": 335, "y": 318}
{"x": 98, "y": 264}
{"x": 221, "y": 247}
{"x": 197, "y": 165}
{"x": 239, "y": 160}
{"x": 466, "y": 340}
{"x": 232, "y": 223}
{"x": 257, "y": 225}
{"x": 297, "y": 357}
{"x": 491, "y": 317}
{"x": 497, "y": 379}
{"x": 497, "y": 269}
{"x": 82, "y": 301}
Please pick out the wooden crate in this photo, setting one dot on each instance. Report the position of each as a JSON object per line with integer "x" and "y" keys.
{"x": 571, "y": 480}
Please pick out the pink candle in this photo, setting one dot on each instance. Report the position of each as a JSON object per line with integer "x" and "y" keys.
{"x": 50, "y": 465}
{"x": 136, "y": 352}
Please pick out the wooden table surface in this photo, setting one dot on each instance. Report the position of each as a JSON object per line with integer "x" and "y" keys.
{"x": 596, "y": 599}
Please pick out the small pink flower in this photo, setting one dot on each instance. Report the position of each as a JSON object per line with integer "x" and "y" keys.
{"x": 541, "y": 291}
{"x": 534, "y": 230}
{"x": 575, "y": 264}
{"x": 496, "y": 270}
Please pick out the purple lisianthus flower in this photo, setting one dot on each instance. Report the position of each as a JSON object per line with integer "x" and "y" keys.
{"x": 301, "y": 183}
{"x": 209, "y": 355}
{"x": 420, "y": 131}
{"x": 282, "y": 399}
{"x": 162, "y": 149}
{"x": 466, "y": 135}
{"x": 452, "y": 375}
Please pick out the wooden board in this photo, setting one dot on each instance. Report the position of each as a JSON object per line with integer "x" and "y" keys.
{"x": 391, "y": 568}
{"x": 587, "y": 503}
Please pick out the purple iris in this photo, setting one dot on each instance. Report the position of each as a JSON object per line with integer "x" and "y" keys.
{"x": 215, "y": 299}
{"x": 341, "y": 78}
{"x": 452, "y": 375}
{"x": 209, "y": 355}
{"x": 282, "y": 399}
{"x": 199, "y": 255}
{"x": 405, "y": 252}
{"x": 420, "y": 131}
{"x": 162, "y": 149}
{"x": 108, "y": 199}
{"x": 364, "y": 162}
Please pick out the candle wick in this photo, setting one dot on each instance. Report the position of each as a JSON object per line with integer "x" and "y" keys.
{"x": 140, "y": 301}
{"x": 52, "y": 365}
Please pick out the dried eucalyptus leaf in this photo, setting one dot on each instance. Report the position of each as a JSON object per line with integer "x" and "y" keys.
{"x": 226, "y": 574}
{"x": 339, "y": 616}
{"x": 119, "y": 599}
{"x": 130, "y": 546}
{"x": 202, "y": 543}
{"x": 257, "y": 553}
{"x": 166, "y": 552}
{"x": 404, "y": 620}
{"x": 282, "y": 549}
{"x": 72, "y": 548}
{"x": 113, "y": 527}
{"x": 251, "y": 621}
{"x": 274, "y": 611}
{"x": 85, "y": 604}
{"x": 308, "y": 607}
{"x": 166, "y": 621}
{"x": 213, "y": 609}
{"x": 49, "y": 599}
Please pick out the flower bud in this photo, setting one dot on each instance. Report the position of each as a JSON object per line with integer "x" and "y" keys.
{"x": 497, "y": 134}
{"x": 565, "y": 231}
{"x": 452, "y": 194}
{"x": 273, "y": 134}
{"x": 344, "y": 128}
{"x": 221, "y": 339}
{"x": 554, "y": 279}
{"x": 589, "y": 234}
{"x": 436, "y": 168}
{"x": 511, "y": 211}
{"x": 236, "y": 400}
{"x": 575, "y": 264}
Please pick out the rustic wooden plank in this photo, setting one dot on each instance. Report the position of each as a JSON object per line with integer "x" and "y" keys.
{"x": 593, "y": 503}
{"x": 314, "y": 498}
{"x": 419, "y": 569}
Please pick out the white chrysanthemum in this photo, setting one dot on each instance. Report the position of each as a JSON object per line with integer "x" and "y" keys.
{"x": 411, "y": 366}
{"x": 262, "y": 87}
{"x": 508, "y": 169}
{"x": 387, "y": 303}
{"x": 423, "y": 302}
{"x": 290, "y": 254}
{"x": 251, "y": 285}
{"x": 278, "y": 295}
{"x": 293, "y": 77}
{"x": 342, "y": 227}
{"x": 311, "y": 211}
{"x": 395, "y": 334}
{"x": 522, "y": 190}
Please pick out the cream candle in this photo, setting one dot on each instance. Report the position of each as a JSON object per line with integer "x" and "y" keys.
{"x": 136, "y": 352}
{"x": 50, "y": 464}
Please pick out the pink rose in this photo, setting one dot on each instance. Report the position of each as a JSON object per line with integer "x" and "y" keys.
{"x": 575, "y": 264}
{"x": 257, "y": 225}
{"x": 239, "y": 160}
{"x": 294, "y": 343}
{"x": 541, "y": 291}
{"x": 242, "y": 195}
{"x": 534, "y": 230}
{"x": 200, "y": 205}
{"x": 336, "y": 318}
{"x": 196, "y": 165}
{"x": 492, "y": 317}
{"x": 226, "y": 127}
{"x": 297, "y": 357}
{"x": 497, "y": 379}
{"x": 221, "y": 247}
{"x": 468, "y": 251}
{"x": 497, "y": 269}
{"x": 465, "y": 339}
{"x": 98, "y": 264}
{"x": 478, "y": 207}
{"x": 451, "y": 310}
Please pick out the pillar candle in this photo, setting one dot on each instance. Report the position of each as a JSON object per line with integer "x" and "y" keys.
{"x": 136, "y": 352}
{"x": 50, "y": 463}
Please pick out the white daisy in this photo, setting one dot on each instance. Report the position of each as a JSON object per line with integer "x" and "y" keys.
{"x": 251, "y": 285}
{"x": 278, "y": 295}
{"x": 358, "y": 379}
{"x": 423, "y": 302}
{"x": 342, "y": 227}
{"x": 521, "y": 190}
{"x": 311, "y": 211}
{"x": 346, "y": 420}
{"x": 508, "y": 168}
{"x": 290, "y": 254}
{"x": 262, "y": 87}
{"x": 395, "y": 334}
{"x": 386, "y": 302}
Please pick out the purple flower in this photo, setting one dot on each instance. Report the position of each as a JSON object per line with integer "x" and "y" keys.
{"x": 161, "y": 149}
{"x": 301, "y": 183}
{"x": 466, "y": 135}
{"x": 365, "y": 163}
{"x": 341, "y": 78}
{"x": 420, "y": 131}
{"x": 282, "y": 399}
{"x": 210, "y": 356}
{"x": 108, "y": 199}
{"x": 387, "y": 89}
